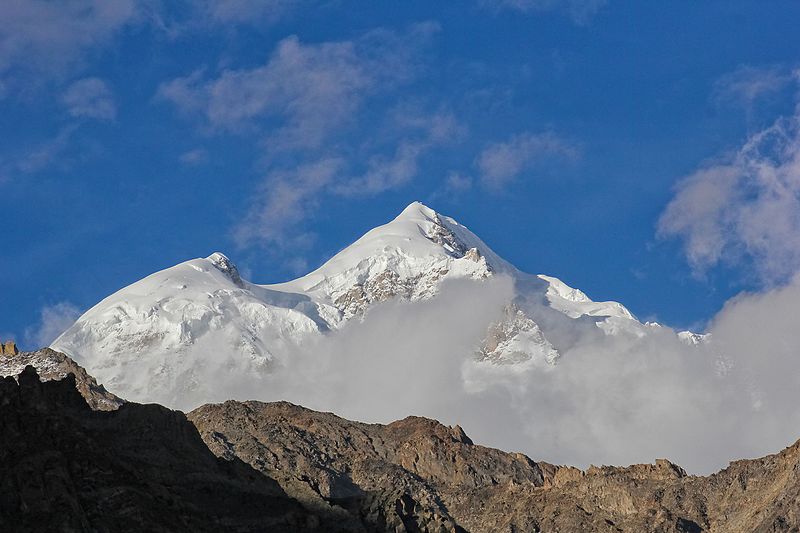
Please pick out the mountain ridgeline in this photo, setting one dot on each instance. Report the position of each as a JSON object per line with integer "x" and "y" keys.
{"x": 74, "y": 463}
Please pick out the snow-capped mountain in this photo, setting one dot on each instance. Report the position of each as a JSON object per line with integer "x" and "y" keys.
{"x": 157, "y": 338}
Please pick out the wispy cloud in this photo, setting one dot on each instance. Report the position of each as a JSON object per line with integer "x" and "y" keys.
{"x": 248, "y": 11}
{"x": 747, "y": 83}
{"x": 90, "y": 98}
{"x": 49, "y": 38}
{"x": 195, "y": 157}
{"x": 581, "y": 11}
{"x": 501, "y": 163}
{"x": 296, "y": 101}
{"x": 285, "y": 199}
{"x": 53, "y": 320}
{"x": 745, "y": 206}
{"x": 311, "y": 89}
{"x": 45, "y": 154}
{"x": 457, "y": 183}
{"x": 421, "y": 133}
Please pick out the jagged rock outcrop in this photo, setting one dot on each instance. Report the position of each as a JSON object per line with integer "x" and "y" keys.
{"x": 66, "y": 467}
{"x": 8, "y": 349}
{"x": 53, "y": 365}
{"x": 397, "y": 477}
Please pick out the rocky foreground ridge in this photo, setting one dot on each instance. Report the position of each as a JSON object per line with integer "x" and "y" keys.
{"x": 252, "y": 466}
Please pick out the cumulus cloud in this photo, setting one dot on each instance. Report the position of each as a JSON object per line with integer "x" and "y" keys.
{"x": 48, "y": 38}
{"x": 53, "y": 320}
{"x": 581, "y": 11}
{"x": 311, "y": 89}
{"x": 90, "y": 98}
{"x": 744, "y": 207}
{"x": 501, "y": 163}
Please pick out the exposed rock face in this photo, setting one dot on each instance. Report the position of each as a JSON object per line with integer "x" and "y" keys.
{"x": 516, "y": 339}
{"x": 418, "y": 475}
{"x": 386, "y": 477}
{"x": 9, "y": 348}
{"x": 278, "y": 467}
{"x": 139, "y": 468}
{"x": 52, "y": 365}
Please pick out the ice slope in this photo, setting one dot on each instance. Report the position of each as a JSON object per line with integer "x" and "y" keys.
{"x": 171, "y": 335}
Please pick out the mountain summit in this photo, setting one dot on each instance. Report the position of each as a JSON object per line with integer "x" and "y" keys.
{"x": 161, "y": 337}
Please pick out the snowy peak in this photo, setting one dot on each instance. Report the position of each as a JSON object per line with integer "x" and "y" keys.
{"x": 417, "y": 211}
{"x": 407, "y": 258}
{"x": 172, "y": 335}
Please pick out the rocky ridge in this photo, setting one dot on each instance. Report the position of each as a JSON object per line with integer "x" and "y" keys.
{"x": 52, "y": 365}
{"x": 253, "y": 466}
{"x": 138, "y": 468}
{"x": 418, "y": 475}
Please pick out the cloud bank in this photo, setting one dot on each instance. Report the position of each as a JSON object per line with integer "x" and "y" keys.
{"x": 608, "y": 400}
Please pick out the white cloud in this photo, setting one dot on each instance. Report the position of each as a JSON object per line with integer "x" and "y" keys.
{"x": 49, "y": 38}
{"x": 457, "y": 183}
{"x": 312, "y": 89}
{"x": 500, "y": 163}
{"x": 54, "y": 319}
{"x": 386, "y": 173}
{"x": 46, "y": 153}
{"x": 745, "y": 206}
{"x": 91, "y": 98}
{"x": 285, "y": 199}
{"x": 248, "y": 11}
{"x": 747, "y": 83}
{"x": 609, "y": 399}
{"x": 581, "y": 11}
{"x": 194, "y": 157}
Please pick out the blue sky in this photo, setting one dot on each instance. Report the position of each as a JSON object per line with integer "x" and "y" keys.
{"x": 620, "y": 146}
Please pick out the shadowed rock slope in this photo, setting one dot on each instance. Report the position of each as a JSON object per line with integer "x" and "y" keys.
{"x": 53, "y": 365}
{"x": 418, "y": 475}
{"x": 252, "y": 466}
{"x": 66, "y": 467}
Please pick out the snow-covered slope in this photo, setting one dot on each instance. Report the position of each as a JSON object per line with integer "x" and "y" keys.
{"x": 164, "y": 337}
{"x": 160, "y": 337}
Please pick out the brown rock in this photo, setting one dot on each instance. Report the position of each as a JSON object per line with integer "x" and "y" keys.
{"x": 52, "y": 365}
{"x": 418, "y": 475}
{"x": 9, "y": 348}
{"x": 139, "y": 468}
{"x": 257, "y": 466}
